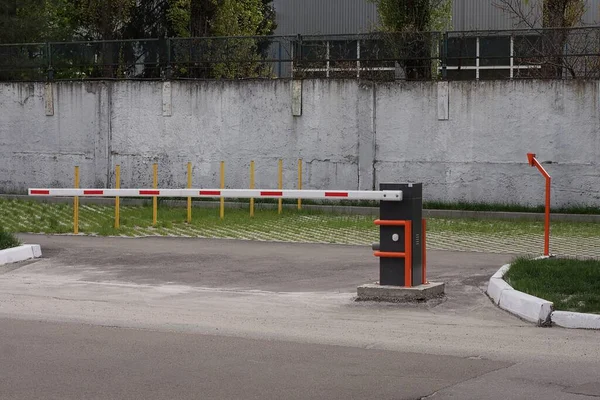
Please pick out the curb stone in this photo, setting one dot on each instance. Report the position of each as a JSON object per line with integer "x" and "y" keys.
{"x": 20, "y": 253}
{"x": 534, "y": 309}
{"x": 527, "y": 307}
{"x": 574, "y": 320}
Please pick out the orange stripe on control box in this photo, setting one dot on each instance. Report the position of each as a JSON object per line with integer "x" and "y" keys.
{"x": 382, "y": 222}
{"x": 389, "y": 254}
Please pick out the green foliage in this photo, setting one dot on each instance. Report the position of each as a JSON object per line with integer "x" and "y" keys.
{"x": 103, "y": 19}
{"x": 179, "y": 16}
{"x": 223, "y": 17}
{"x": 235, "y": 19}
{"x": 38, "y": 21}
{"x": 55, "y": 20}
{"x": 8, "y": 240}
{"x": 441, "y": 16}
{"x": 29, "y": 21}
{"x": 240, "y": 18}
{"x": 414, "y": 15}
{"x": 407, "y": 21}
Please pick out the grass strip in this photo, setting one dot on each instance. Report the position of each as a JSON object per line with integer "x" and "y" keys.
{"x": 571, "y": 284}
{"x": 8, "y": 240}
{"x": 467, "y": 234}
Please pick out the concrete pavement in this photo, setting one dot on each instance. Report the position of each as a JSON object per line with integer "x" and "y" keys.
{"x": 274, "y": 299}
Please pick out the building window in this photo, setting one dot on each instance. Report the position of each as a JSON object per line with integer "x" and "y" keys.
{"x": 467, "y": 57}
{"x": 491, "y": 57}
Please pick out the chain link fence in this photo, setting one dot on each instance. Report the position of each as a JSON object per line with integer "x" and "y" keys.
{"x": 572, "y": 53}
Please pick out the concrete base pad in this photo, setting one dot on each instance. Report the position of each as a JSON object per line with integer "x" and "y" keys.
{"x": 397, "y": 294}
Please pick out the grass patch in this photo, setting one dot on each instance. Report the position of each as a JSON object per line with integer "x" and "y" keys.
{"x": 428, "y": 205}
{"x": 507, "y": 207}
{"x": 572, "y": 285}
{"x": 461, "y": 234}
{"x": 24, "y": 216}
{"x": 8, "y": 240}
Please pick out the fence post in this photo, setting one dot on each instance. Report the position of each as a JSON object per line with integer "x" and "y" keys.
{"x": 50, "y": 67}
{"x": 76, "y": 204}
{"x": 299, "y": 182}
{"x": 168, "y": 71}
{"x": 189, "y": 199}
{"x": 280, "y": 186}
{"x": 117, "y": 198}
{"x": 296, "y": 55}
{"x": 252, "y": 187}
{"x": 445, "y": 55}
{"x": 154, "y": 199}
{"x": 279, "y": 55}
{"x": 222, "y": 205}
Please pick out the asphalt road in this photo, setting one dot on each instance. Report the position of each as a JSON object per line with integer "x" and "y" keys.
{"x": 101, "y": 318}
{"x": 72, "y": 361}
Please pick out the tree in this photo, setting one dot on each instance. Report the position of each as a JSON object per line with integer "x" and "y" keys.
{"x": 559, "y": 17}
{"x": 203, "y": 18}
{"x": 30, "y": 21}
{"x": 544, "y": 13}
{"x": 414, "y": 15}
{"x": 236, "y": 19}
{"x": 103, "y": 19}
{"x": 409, "y": 24}
{"x": 268, "y": 24}
{"x": 149, "y": 19}
{"x": 224, "y": 56}
{"x": 108, "y": 22}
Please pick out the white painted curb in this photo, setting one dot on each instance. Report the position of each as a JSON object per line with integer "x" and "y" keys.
{"x": 534, "y": 309}
{"x": 21, "y": 253}
{"x": 575, "y": 320}
{"x": 495, "y": 288}
{"x": 528, "y": 307}
{"x": 525, "y": 306}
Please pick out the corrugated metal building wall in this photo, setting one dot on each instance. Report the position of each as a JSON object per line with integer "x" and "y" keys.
{"x": 470, "y": 15}
{"x": 486, "y": 15}
{"x": 308, "y": 17}
{"x": 325, "y": 17}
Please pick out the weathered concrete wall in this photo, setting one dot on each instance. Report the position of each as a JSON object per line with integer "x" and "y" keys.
{"x": 479, "y": 153}
{"x": 350, "y": 135}
{"x": 36, "y": 149}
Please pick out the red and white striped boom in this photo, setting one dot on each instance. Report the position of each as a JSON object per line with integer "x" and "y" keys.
{"x": 388, "y": 195}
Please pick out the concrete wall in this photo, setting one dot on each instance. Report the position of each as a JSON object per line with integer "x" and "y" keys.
{"x": 351, "y": 135}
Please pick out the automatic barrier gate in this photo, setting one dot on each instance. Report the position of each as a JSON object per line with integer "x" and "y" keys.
{"x": 401, "y": 249}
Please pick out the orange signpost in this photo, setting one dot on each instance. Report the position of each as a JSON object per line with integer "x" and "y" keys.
{"x": 535, "y": 163}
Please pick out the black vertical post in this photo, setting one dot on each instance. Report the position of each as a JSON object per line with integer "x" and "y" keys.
{"x": 168, "y": 68}
{"x": 50, "y": 64}
{"x": 445, "y": 56}
{"x": 391, "y": 270}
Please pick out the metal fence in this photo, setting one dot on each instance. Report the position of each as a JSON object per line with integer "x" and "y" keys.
{"x": 517, "y": 54}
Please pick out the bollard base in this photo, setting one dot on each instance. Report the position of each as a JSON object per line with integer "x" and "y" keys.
{"x": 398, "y": 294}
